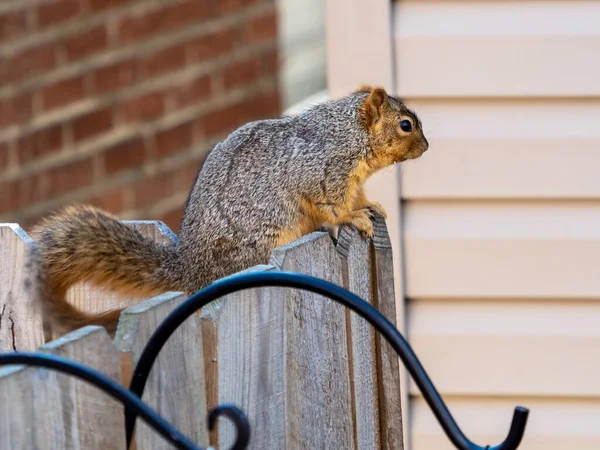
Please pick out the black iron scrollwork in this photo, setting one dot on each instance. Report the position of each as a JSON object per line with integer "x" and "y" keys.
{"x": 375, "y": 318}
{"x": 110, "y": 387}
{"x": 239, "y": 420}
{"x": 134, "y": 407}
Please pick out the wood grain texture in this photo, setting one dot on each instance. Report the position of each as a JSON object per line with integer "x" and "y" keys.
{"x": 94, "y": 299}
{"x": 211, "y": 372}
{"x": 31, "y": 410}
{"x": 219, "y": 369}
{"x": 20, "y": 317}
{"x": 358, "y": 278}
{"x": 248, "y": 359}
{"x": 384, "y": 187}
{"x": 46, "y": 410}
{"x": 93, "y": 420}
{"x": 390, "y": 387}
{"x": 175, "y": 387}
{"x": 318, "y": 406}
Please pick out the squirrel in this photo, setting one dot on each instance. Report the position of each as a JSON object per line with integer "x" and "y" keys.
{"x": 268, "y": 183}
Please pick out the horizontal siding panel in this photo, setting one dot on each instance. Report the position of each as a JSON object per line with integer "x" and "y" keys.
{"x": 502, "y": 250}
{"x": 562, "y": 119}
{"x": 501, "y": 217}
{"x": 486, "y": 49}
{"x": 506, "y": 150}
{"x": 522, "y": 66}
{"x": 553, "y": 424}
{"x": 508, "y": 348}
{"x": 506, "y": 365}
{"x": 505, "y": 169}
{"x": 496, "y": 17}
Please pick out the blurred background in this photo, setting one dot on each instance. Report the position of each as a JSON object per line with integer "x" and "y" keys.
{"x": 117, "y": 102}
{"x": 496, "y": 229}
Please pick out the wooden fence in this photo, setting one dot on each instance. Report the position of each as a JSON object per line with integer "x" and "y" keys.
{"x": 307, "y": 372}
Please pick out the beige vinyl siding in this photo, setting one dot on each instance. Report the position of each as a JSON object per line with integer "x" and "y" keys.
{"x": 497, "y": 48}
{"x": 507, "y": 149}
{"x": 501, "y": 218}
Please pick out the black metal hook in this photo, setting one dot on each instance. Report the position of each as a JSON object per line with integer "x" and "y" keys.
{"x": 238, "y": 418}
{"x": 240, "y": 282}
{"x": 109, "y": 386}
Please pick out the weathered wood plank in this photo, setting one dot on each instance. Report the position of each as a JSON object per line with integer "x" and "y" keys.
{"x": 95, "y": 299}
{"x": 211, "y": 372}
{"x": 20, "y": 317}
{"x": 281, "y": 355}
{"x": 390, "y": 395}
{"x": 318, "y": 406}
{"x": 31, "y": 410}
{"x": 358, "y": 278}
{"x": 46, "y": 410}
{"x": 93, "y": 419}
{"x": 384, "y": 187}
{"x": 244, "y": 342}
{"x": 175, "y": 387}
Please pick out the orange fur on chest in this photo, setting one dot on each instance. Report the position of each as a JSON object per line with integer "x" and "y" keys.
{"x": 312, "y": 216}
{"x": 333, "y": 209}
{"x": 306, "y": 224}
{"x": 356, "y": 181}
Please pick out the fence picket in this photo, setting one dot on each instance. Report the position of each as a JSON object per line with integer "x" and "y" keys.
{"x": 176, "y": 387}
{"x": 47, "y": 410}
{"x": 359, "y": 279}
{"x": 21, "y": 325}
{"x": 31, "y": 409}
{"x": 244, "y": 350}
{"x": 319, "y": 405}
{"x": 307, "y": 372}
{"x": 96, "y": 420}
{"x": 390, "y": 398}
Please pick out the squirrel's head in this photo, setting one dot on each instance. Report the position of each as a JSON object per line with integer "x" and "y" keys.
{"x": 395, "y": 132}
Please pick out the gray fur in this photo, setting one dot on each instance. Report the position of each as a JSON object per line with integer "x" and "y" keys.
{"x": 260, "y": 170}
{"x": 266, "y": 184}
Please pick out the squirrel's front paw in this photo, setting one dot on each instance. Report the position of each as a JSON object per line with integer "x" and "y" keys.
{"x": 376, "y": 207}
{"x": 361, "y": 220}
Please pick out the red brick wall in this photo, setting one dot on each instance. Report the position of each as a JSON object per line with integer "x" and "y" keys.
{"x": 116, "y": 102}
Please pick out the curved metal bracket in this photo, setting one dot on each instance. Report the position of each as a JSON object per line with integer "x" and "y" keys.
{"x": 239, "y": 420}
{"x": 109, "y": 386}
{"x": 240, "y": 282}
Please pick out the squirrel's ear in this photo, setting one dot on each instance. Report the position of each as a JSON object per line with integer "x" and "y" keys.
{"x": 371, "y": 110}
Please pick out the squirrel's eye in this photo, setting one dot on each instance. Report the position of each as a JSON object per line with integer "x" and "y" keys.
{"x": 406, "y": 126}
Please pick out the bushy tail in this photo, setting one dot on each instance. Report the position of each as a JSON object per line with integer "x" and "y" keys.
{"x": 82, "y": 243}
